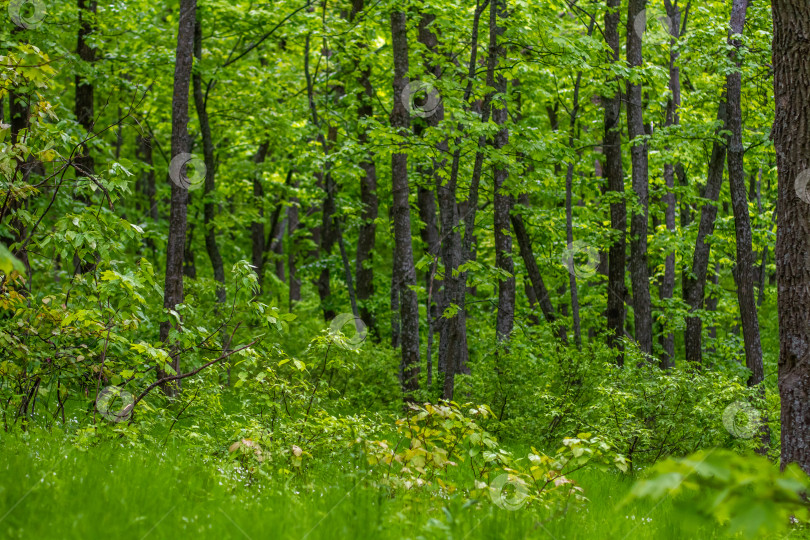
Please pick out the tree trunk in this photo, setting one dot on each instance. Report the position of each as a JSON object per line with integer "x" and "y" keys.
{"x": 642, "y": 309}
{"x": 84, "y": 163}
{"x": 791, "y": 62}
{"x": 173, "y": 290}
{"x": 367, "y": 234}
{"x": 292, "y": 252}
{"x": 209, "y": 208}
{"x": 503, "y": 200}
{"x": 538, "y": 286}
{"x": 695, "y": 285}
{"x": 85, "y": 114}
{"x": 453, "y": 351}
{"x": 257, "y": 227}
{"x": 404, "y": 270}
{"x": 744, "y": 271}
{"x": 614, "y": 170}
{"x": 673, "y": 119}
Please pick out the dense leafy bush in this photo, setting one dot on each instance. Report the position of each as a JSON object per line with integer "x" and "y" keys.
{"x": 540, "y": 392}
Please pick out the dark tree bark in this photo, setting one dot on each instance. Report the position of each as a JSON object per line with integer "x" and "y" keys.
{"x": 257, "y": 227}
{"x": 175, "y": 249}
{"x": 404, "y": 270}
{"x": 695, "y": 283}
{"x": 209, "y": 208}
{"x": 791, "y": 62}
{"x": 427, "y": 197}
{"x": 673, "y": 119}
{"x": 84, "y": 163}
{"x": 456, "y": 251}
{"x": 85, "y": 90}
{"x": 148, "y": 177}
{"x": 292, "y": 252}
{"x": 329, "y": 234}
{"x": 503, "y": 200}
{"x": 538, "y": 287}
{"x": 744, "y": 271}
{"x": 569, "y": 193}
{"x": 639, "y": 273}
{"x": 614, "y": 171}
{"x": 367, "y": 234}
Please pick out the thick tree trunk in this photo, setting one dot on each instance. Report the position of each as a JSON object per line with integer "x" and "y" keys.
{"x": 639, "y": 273}
{"x": 791, "y": 62}
{"x": 173, "y": 290}
{"x": 404, "y": 270}
{"x": 744, "y": 271}
{"x": 209, "y": 208}
{"x": 614, "y": 171}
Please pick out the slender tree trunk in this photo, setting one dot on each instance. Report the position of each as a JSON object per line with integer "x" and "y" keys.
{"x": 427, "y": 197}
{"x": 292, "y": 250}
{"x": 404, "y": 269}
{"x": 209, "y": 208}
{"x": 744, "y": 272}
{"x": 257, "y": 227}
{"x": 694, "y": 291}
{"x": 367, "y": 234}
{"x": 85, "y": 111}
{"x": 536, "y": 279}
{"x": 791, "y": 62}
{"x": 85, "y": 90}
{"x": 453, "y": 351}
{"x": 614, "y": 170}
{"x": 503, "y": 200}
{"x": 673, "y": 119}
{"x": 173, "y": 290}
{"x": 642, "y": 308}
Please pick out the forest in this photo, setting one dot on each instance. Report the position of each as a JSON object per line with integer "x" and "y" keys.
{"x": 404, "y": 269}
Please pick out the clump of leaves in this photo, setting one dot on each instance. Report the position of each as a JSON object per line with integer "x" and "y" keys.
{"x": 444, "y": 450}
{"x": 747, "y": 493}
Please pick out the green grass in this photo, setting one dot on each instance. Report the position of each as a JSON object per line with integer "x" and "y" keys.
{"x": 50, "y": 489}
